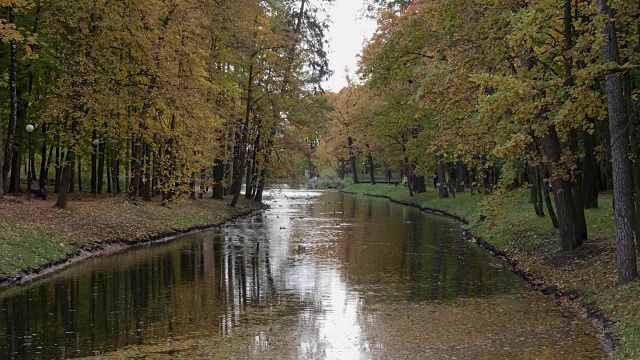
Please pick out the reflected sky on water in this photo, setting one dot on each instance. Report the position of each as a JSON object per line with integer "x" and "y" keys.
{"x": 320, "y": 275}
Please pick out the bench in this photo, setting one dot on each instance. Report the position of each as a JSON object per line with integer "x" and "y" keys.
{"x": 39, "y": 193}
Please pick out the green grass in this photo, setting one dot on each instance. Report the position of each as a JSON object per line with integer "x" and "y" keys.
{"x": 514, "y": 227}
{"x": 23, "y": 247}
{"x": 34, "y": 233}
{"x": 513, "y": 216}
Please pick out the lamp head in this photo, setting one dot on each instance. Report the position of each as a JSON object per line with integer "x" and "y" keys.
{"x": 30, "y": 128}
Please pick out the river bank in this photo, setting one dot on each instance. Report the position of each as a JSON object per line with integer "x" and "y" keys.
{"x": 584, "y": 279}
{"x": 37, "y": 239}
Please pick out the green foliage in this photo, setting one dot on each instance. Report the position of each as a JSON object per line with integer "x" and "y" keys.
{"x": 329, "y": 183}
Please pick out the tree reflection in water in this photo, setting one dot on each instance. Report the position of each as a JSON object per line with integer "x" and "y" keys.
{"x": 375, "y": 280}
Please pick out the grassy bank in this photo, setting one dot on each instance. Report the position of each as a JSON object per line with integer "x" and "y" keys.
{"x": 534, "y": 244}
{"x": 35, "y": 233}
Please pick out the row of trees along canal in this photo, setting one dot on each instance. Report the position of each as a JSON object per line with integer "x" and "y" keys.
{"x": 156, "y": 95}
{"x": 493, "y": 95}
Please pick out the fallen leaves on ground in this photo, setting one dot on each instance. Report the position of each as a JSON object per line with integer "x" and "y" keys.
{"x": 36, "y": 232}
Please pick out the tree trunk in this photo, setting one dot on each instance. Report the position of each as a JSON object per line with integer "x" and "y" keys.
{"x": 218, "y": 177}
{"x": 14, "y": 178}
{"x": 573, "y": 133}
{"x": 48, "y": 165}
{"x": 485, "y": 177}
{"x": 65, "y": 180}
{"x": 263, "y": 173}
{"x": 635, "y": 165}
{"x": 33, "y": 163}
{"x": 571, "y": 232}
{"x": 227, "y": 167}
{"x": 227, "y": 174}
{"x": 147, "y": 188}
{"x": 249, "y": 175}
{"x": 590, "y": 171}
{"x": 44, "y": 160}
{"x": 240, "y": 152}
{"x": 255, "y": 178}
{"x": 387, "y": 173}
{"x": 155, "y": 171}
{"x": 59, "y": 170}
{"x": 371, "y": 169}
{"x": 261, "y": 185}
{"x": 409, "y": 168}
{"x": 101, "y": 157}
{"x": 67, "y": 174}
{"x": 452, "y": 181}
{"x": 192, "y": 187}
{"x": 352, "y": 161}
{"x": 543, "y": 197}
{"x": 571, "y": 235}
{"x": 115, "y": 171}
{"x": 136, "y": 163}
{"x": 109, "y": 174}
{"x": 622, "y": 184}
{"x": 473, "y": 180}
{"x": 169, "y": 167}
{"x": 72, "y": 180}
{"x": 13, "y": 91}
{"x": 251, "y": 168}
{"x": 127, "y": 164}
{"x": 535, "y": 197}
{"x": 94, "y": 163}
{"x": 607, "y": 171}
{"x": 79, "y": 173}
{"x": 461, "y": 176}
{"x": 235, "y": 162}
{"x": 1, "y": 165}
{"x": 238, "y": 170}
{"x": 442, "y": 178}
{"x": 22, "y": 117}
{"x": 577, "y": 186}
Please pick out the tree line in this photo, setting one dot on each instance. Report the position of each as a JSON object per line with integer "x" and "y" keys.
{"x": 151, "y": 97}
{"x": 495, "y": 95}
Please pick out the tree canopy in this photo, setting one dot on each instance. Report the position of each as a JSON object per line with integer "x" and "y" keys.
{"x": 497, "y": 95}
{"x": 159, "y": 94}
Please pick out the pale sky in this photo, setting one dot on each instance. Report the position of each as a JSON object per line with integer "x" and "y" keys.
{"x": 346, "y": 36}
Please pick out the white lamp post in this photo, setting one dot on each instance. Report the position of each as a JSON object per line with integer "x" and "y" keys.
{"x": 29, "y": 129}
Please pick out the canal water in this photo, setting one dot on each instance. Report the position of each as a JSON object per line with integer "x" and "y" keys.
{"x": 320, "y": 275}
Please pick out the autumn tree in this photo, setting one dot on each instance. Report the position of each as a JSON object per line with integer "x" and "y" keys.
{"x": 618, "y": 125}
{"x": 517, "y": 88}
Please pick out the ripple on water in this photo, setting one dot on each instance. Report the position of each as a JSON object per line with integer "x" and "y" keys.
{"x": 322, "y": 275}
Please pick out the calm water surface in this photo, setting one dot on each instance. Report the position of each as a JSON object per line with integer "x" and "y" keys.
{"x": 318, "y": 276}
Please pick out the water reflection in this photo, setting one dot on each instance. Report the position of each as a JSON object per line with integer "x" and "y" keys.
{"x": 319, "y": 275}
